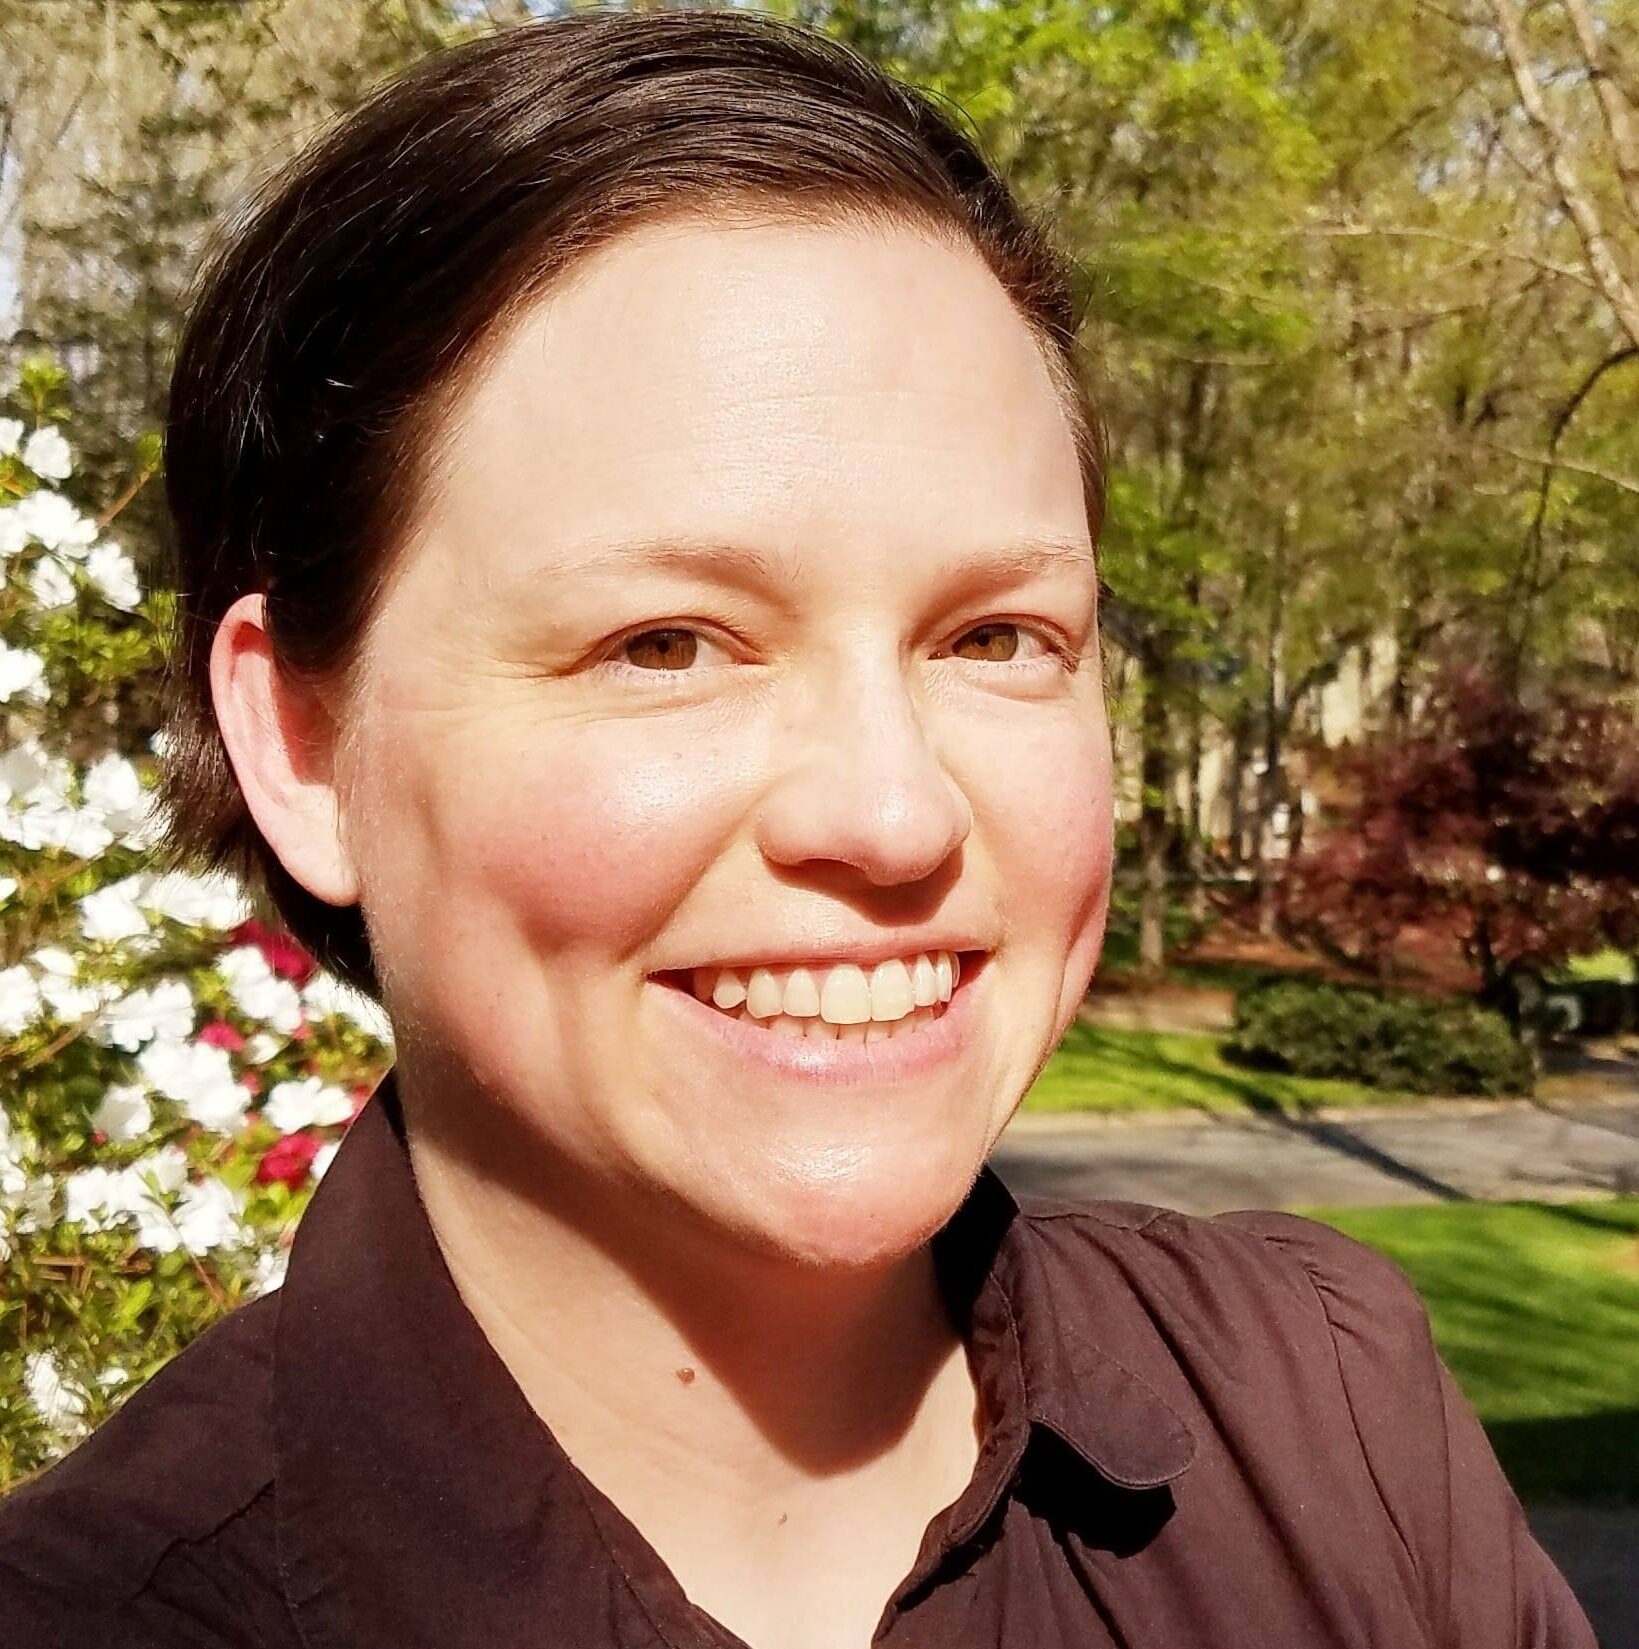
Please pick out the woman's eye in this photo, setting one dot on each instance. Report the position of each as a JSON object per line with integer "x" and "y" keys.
{"x": 674, "y": 649}
{"x": 1000, "y": 641}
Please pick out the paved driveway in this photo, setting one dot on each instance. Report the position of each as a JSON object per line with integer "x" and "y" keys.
{"x": 1447, "y": 1153}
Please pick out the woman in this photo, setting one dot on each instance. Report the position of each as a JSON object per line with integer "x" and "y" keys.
{"x": 637, "y": 513}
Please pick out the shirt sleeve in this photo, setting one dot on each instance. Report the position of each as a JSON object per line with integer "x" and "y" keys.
{"x": 1487, "y": 1583}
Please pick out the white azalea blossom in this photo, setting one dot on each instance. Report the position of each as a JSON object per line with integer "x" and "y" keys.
{"x": 212, "y": 900}
{"x": 46, "y": 451}
{"x": 47, "y": 818}
{"x": 114, "y": 788}
{"x": 22, "y": 676}
{"x": 69, "y": 999}
{"x": 199, "y": 1077}
{"x": 8, "y": 886}
{"x": 25, "y": 1200}
{"x": 124, "y": 1112}
{"x": 111, "y": 913}
{"x": 149, "y": 830}
{"x": 51, "y": 584}
{"x": 325, "y": 994}
{"x": 164, "y": 1010}
{"x": 208, "y": 1215}
{"x": 306, "y": 1103}
{"x": 114, "y": 574}
{"x": 322, "y": 1159}
{"x": 48, "y": 518}
{"x": 31, "y": 775}
{"x": 20, "y": 1000}
{"x": 257, "y": 991}
{"x": 263, "y": 1046}
{"x": 101, "y": 1198}
{"x": 77, "y": 831}
{"x": 11, "y": 436}
{"x": 268, "y": 1272}
{"x": 91, "y": 1197}
{"x": 57, "y": 1403}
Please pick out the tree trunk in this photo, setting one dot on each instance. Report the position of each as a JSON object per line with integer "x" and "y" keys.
{"x": 1240, "y": 760}
{"x": 1153, "y": 832}
{"x": 1195, "y": 823}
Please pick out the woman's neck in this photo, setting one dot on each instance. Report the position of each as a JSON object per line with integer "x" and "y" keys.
{"x": 663, "y": 1356}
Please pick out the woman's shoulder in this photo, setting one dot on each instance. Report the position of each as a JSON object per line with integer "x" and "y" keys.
{"x": 146, "y": 1512}
{"x": 1252, "y": 1307}
{"x": 1294, "y": 1264}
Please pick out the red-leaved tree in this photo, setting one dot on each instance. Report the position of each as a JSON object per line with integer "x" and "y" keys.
{"x": 1514, "y": 826}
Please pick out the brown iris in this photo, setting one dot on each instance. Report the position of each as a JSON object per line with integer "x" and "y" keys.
{"x": 663, "y": 649}
{"x": 1000, "y": 641}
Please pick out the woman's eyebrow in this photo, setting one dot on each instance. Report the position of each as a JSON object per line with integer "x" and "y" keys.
{"x": 746, "y": 566}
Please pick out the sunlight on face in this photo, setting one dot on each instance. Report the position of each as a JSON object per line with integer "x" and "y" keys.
{"x": 755, "y": 621}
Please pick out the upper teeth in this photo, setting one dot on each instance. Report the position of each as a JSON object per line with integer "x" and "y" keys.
{"x": 843, "y": 995}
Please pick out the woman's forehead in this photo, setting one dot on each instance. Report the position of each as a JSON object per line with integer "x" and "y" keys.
{"x": 761, "y": 382}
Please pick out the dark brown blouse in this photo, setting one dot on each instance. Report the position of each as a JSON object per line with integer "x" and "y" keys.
{"x": 1228, "y": 1433}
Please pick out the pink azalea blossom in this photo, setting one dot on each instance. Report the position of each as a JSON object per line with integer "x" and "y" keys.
{"x": 220, "y": 1034}
{"x": 288, "y": 1160}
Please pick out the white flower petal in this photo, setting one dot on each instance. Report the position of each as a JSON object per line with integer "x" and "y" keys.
{"x": 306, "y": 1103}
{"x": 22, "y": 675}
{"x": 57, "y": 1403}
{"x": 20, "y": 1000}
{"x": 114, "y": 574}
{"x": 51, "y": 584}
{"x": 124, "y": 1112}
{"x": 111, "y": 913}
{"x": 46, "y": 451}
{"x": 199, "y": 1077}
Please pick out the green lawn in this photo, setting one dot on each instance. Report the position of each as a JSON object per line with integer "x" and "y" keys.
{"x": 1535, "y": 1308}
{"x": 1106, "y": 1069}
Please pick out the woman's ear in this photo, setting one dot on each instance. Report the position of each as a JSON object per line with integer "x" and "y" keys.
{"x": 281, "y": 740}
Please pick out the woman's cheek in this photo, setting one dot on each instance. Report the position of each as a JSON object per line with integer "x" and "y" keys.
{"x": 600, "y": 834}
{"x": 1048, "y": 802}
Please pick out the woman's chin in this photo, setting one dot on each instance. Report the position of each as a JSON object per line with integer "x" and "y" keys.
{"x": 859, "y": 1210}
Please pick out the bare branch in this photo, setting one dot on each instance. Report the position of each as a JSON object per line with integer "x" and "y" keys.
{"x": 1577, "y": 202}
{"x": 1566, "y": 271}
{"x": 1613, "y": 103}
{"x": 1626, "y": 483}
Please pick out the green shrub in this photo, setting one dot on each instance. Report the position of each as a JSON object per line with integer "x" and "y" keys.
{"x": 1385, "y": 1039}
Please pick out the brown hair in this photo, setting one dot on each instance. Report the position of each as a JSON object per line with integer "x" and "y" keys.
{"x": 333, "y": 330}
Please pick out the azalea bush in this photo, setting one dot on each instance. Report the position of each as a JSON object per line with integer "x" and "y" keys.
{"x": 175, "y": 1071}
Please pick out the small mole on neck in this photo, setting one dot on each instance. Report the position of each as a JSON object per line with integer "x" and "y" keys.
{"x": 686, "y": 1375}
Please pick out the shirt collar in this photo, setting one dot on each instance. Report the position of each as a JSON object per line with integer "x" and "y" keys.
{"x": 420, "y": 1498}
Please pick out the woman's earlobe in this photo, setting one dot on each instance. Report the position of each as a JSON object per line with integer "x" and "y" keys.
{"x": 279, "y": 738}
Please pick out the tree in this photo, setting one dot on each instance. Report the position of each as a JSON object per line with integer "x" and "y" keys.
{"x": 1514, "y": 827}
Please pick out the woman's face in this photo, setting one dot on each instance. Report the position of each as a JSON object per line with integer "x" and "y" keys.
{"x": 754, "y": 624}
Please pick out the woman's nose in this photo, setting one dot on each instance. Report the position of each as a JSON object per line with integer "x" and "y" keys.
{"x": 861, "y": 785}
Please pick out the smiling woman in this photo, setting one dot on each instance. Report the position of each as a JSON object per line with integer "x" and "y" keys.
{"x": 636, "y": 512}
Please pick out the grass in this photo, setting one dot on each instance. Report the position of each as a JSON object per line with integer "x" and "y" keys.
{"x": 1535, "y": 1308}
{"x": 1115, "y": 1070}
{"x": 1601, "y": 965}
